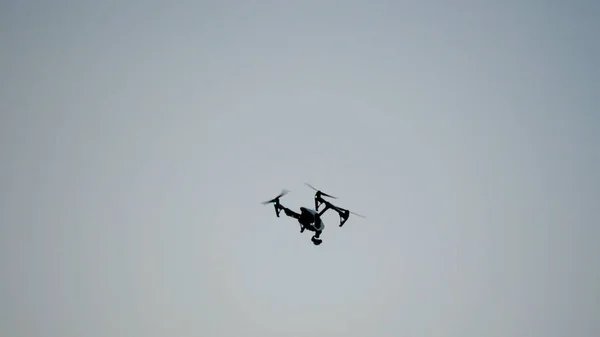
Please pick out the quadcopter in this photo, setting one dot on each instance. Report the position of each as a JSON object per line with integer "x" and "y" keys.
{"x": 310, "y": 219}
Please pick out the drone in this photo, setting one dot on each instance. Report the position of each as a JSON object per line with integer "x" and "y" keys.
{"x": 310, "y": 219}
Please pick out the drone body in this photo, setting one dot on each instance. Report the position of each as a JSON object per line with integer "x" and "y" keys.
{"x": 310, "y": 219}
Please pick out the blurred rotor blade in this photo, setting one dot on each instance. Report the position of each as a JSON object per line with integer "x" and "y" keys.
{"x": 309, "y": 185}
{"x": 283, "y": 192}
{"x": 340, "y": 209}
{"x": 319, "y": 191}
{"x": 362, "y": 216}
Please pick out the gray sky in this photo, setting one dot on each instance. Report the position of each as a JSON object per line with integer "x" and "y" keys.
{"x": 139, "y": 138}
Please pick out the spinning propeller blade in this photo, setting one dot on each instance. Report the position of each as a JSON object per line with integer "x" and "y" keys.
{"x": 349, "y": 211}
{"x": 319, "y": 193}
{"x": 276, "y": 199}
{"x": 362, "y": 216}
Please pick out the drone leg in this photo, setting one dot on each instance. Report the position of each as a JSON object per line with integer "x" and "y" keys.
{"x": 344, "y": 217}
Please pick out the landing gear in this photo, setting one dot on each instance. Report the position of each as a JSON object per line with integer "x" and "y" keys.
{"x": 315, "y": 239}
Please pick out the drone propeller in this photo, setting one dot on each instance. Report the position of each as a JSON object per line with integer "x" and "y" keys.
{"x": 345, "y": 214}
{"x": 276, "y": 199}
{"x": 343, "y": 210}
{"x": 362, "y": 216}
{"x": 275, "y": 202}
{"x": 319, "y": 193}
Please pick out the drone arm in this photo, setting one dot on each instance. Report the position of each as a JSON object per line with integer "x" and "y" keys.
{"x": 278, "y": 209}
{"x": 287, "y": 212}
{"x": 327, "y": 207}
{"x": 291, "y": 213}
{"x": 343, "y": 213}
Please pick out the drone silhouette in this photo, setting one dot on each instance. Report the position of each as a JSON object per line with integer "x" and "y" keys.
{"x": 310, "y": 219}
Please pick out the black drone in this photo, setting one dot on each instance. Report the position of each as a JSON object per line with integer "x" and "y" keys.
{"x": 311, "y": 218}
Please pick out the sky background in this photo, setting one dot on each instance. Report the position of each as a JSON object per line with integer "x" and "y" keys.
{"x": 137, "y": 140}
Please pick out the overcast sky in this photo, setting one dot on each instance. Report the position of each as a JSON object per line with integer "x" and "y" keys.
{"x": 139, "y": 138}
